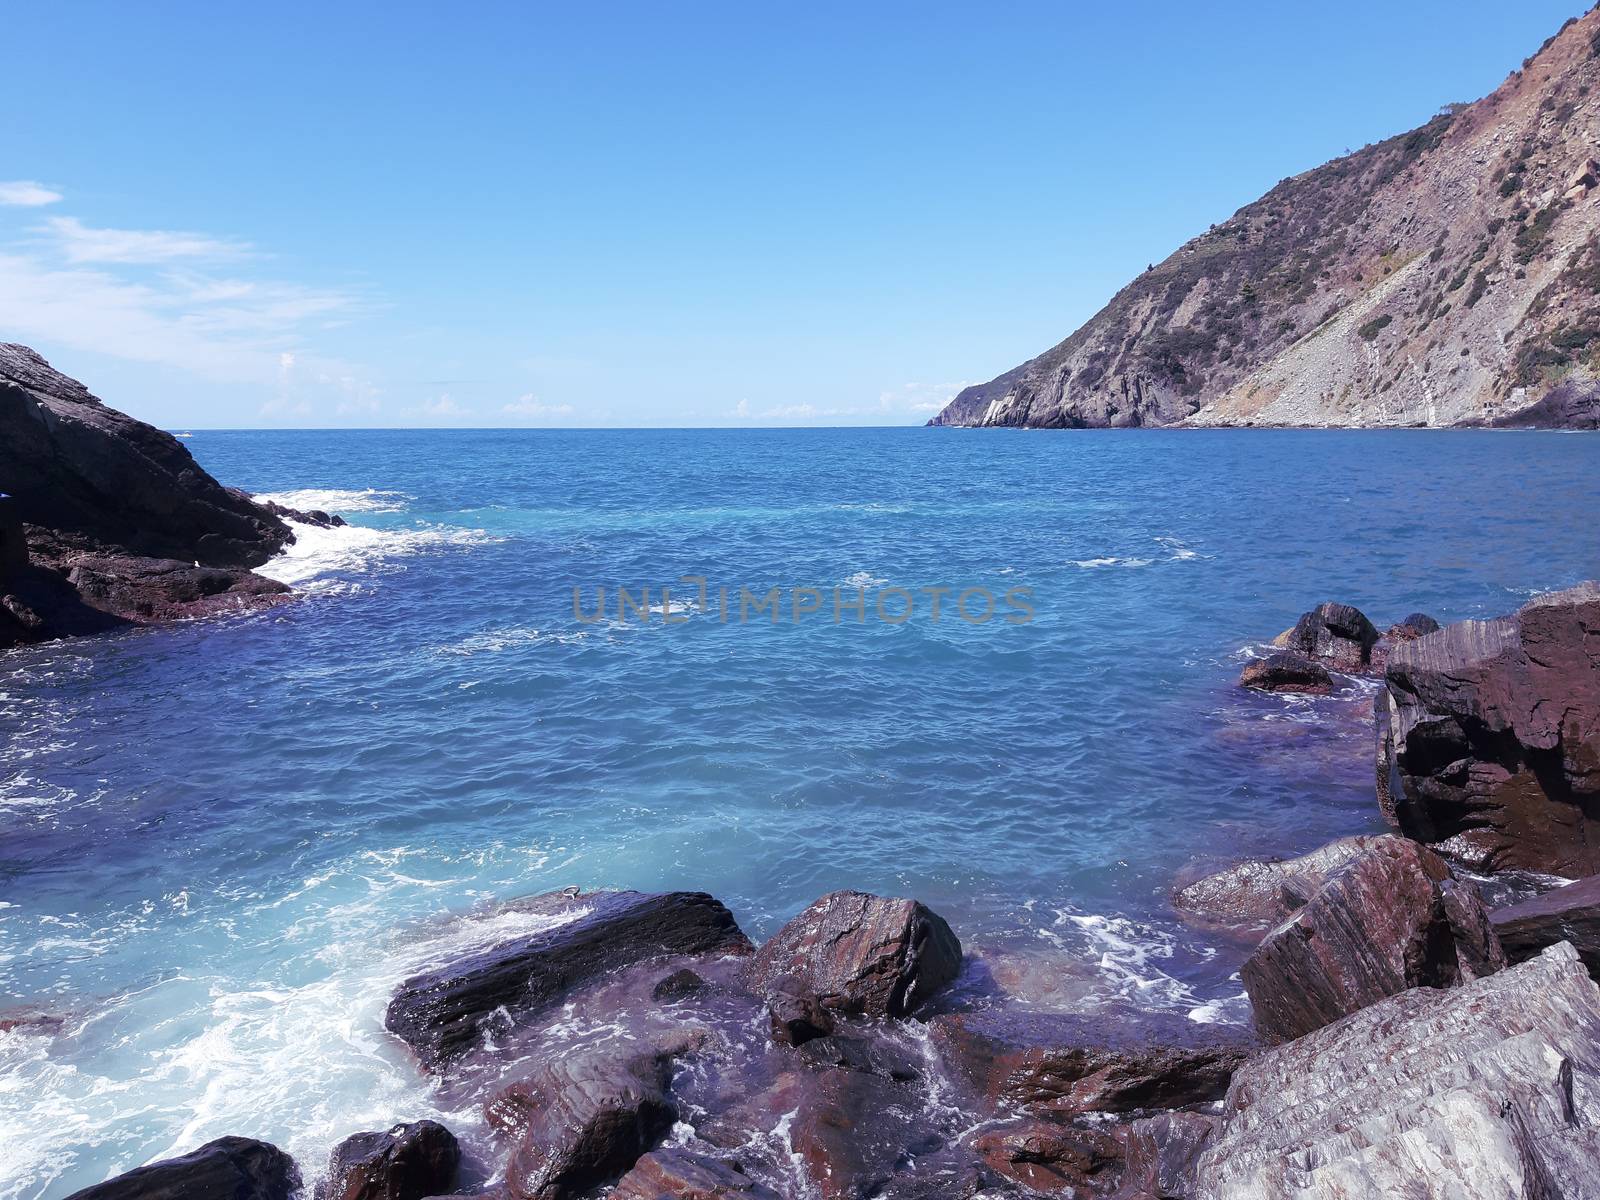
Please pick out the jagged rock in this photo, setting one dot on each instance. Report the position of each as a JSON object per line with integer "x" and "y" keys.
{"x": 406, "y": 1162}
{"x": 24, "y": 1021}
{"x": 230, "y": 1168}
{"x": 1287, "y": 671}
{"x": 1489, "y": 738}
{"x": 1066, "y": 1064}
{"x": 445, "y": 1013}
{"x": 121, "y": 524}
{"x": 1254, "y": 896}
{"x": 677, "y": 1174}
{"x": 1336, "y": 634}
{"x": 1391, "y": 918}
{"x": 852, "y": 1131}
{"x": 583, "y": 1118}
{"x": 679, "y": 985}
{"x": 1163, "y": 1154}
{"x": 1412, "y": 626}
{"x": 1483, "y": 1092}
{"x": 797, "y": 1018}
{"x": 1055, "y": 1159}
{"x": 1568, "y": 914}
{"x": 863, "y": 1052}
{"x": 860, "y": 955}
{"x": 308, "y": 516}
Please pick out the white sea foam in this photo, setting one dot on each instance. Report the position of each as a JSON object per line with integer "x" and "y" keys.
{"x": 335, "y": 500}
{"x": 863, "y": 579}
{"x": 327, "y": 557}
{"x": 1090, "y": 564}
{"x": 493, "y": 641}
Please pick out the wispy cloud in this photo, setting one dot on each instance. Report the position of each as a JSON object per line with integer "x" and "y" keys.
{"x": 531, "y": 406}
{"x": 80, "y": 243}
{"x": 919, "y": 397}
{"x": 26, "y": 193}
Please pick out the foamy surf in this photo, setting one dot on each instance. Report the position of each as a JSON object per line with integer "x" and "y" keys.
{"x": 338, "y": 500}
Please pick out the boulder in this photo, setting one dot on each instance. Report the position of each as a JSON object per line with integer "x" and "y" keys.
{"x": 1489, "y": 738}
{"x": 1163, "y": 1154}
{"x": 852, "y": 1131}
{"x": 1256, "y": 895}
{"x": 1052, "y": 1158}
{"x": 120, "y": 523}
{"x": 583, "y": 1118}
{"x": 1391, "y": 918}
{"x": 680, "y": 985}
{"x": 1567, "y": 914}
{"x": 860, "y": 955}
{"x": 230, "y": 1168}
{"x": 797, "y": 1018}
{"x": 676, "y": 1174}
{"x": 1287, "y": 671}
{"x": 1483, "y": 1092}
{"x": 1063, "y": 1065}
{"x": 405, "y": 1162}
{"x": 444, "y": 1013}
{"x": 1336, "y": 634}
{"x": 874, "y": 1055}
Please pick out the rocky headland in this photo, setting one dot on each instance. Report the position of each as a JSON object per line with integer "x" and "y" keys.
{"x": 1425, "y": 1023}
{"x": 107, "y": 522}
{"x": 1443, "y": 277}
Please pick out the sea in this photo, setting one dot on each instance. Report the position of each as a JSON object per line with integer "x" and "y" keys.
{"x": 223, "y": 842}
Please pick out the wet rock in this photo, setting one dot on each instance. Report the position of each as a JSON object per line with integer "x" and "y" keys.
{"x": 1052, "y": 1158}
{"x": 1391, "y": 918}
{"x": 1567, "y": 914}
{"x": 1483, "y": 1092}
{"x": 230, "y": 1168}
{"x": 1066, "y": 1064}
{"x": 1411, "y": 627}
{"x": 1490, "y": 743}
{"x": 861, "y": 955}
{"x": 856, "y": 1052}
{"x": 954, "y": 1173}
{"x": 679, "y": 985}
{"x": 309, "y": 516}
{"x": 40, "y": 1024}
{"x": 1287, "y": 671}
{"x": 1254, "y": 896}
{"x": 677, "y": 1174}
{"x": 444, "y": 1013}
{"x": 797, "y": 1018}
{"x": 583, "y": 1118}
{"x": 853, "y": 1131}
{"x": 406, "y": 1162}
{"x": 1337, "y": 634}
{"x": 1163, "y": 1154}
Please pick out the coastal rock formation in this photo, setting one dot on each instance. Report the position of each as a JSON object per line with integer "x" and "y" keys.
{"x": 584, "y": 1118}
{"x": 860, "y": 955}
{"x": 1391, "y": 918}
{"x": 1254, "y": 896}
{"x": 1487, "y": 1091}
{"x": 1489, "y": 737}
{"x": 1568, "y": 914}
{"x": 230, "y": 1168}
{"x": 798, "y": 1018}
{"x": 676, "y": 1174}
{"x": 444, "y": 1013}
{"x": 1053, "y": 1159}
{"x": 1337, "y": 634}
{"x": 407, "y": 1162}
{"x": 1286, "y": 671}
{"x": 1445, "y": 276}
{"x": 121, "y": 525}
{"x": 1065, "y": 1065}
{"x": 853, "y": 1130}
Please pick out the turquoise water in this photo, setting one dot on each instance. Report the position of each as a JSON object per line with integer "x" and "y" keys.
{"x": 224, "y": 841}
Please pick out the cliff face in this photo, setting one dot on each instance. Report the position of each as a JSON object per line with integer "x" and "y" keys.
{"x": 1447, "y": 276}
{"x": 120, "y": 524}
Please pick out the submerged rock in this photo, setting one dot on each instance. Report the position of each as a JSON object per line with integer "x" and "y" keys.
{"x": 1287, "y": 671}
{"x": 1392, "y": 917}
{"x": 1065, "y": 1065}
{"x": 1337, "y": 634}
{"x": 1489, "y": 738}
{"x": 406, "y": 1162}
{"x": 860, "y": 955}
{"x": 798, "y": 1018}
{"x": 445, "y": 1013}
{"x": 230, "y": 1168}
{"x": 1484, "y": 1092}
{"x": 1567, "y": 914}
{"x": 852, "y": 1131}
{"x": 1254, "y": 896}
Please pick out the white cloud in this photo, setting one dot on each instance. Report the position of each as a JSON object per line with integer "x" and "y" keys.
{"x": 919, "y": 397}
{"x": 444, "y": 405}
{"x": 25, "y": 193}
{"x": 530, "y": 406}
{"x": 81, "y": 243}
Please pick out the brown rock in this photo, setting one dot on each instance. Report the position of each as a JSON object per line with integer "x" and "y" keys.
{"x": 1489, "y": 734}
{"x": 852, "y": 1130}
{"x": 1254, "y": 896}
{"x": 861, "y": 955}
{"x": 797, "y": 1018}
{"x": 1567, "y": 914}
{"x": 1287, "y": 671}
{"x": 1336, "y": 634}
{"x": 1163, "y": 1154}
{"x": 1055, "y": 1159}
{"x": 1064, "y": 1064}
{"x": 677, "y": 1174}
{"x": 408, "y": 1162}
{"x": 230, "y": 1168}
{"x": 1390, "y": 919}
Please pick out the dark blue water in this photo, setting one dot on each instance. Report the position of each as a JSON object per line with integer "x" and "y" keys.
{"x": 224, "y": 841}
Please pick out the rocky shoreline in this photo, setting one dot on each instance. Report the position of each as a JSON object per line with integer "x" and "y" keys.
{"x": 1414, "y": 1034}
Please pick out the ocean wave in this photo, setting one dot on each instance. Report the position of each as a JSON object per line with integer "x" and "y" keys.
{"x": 1090, "y": 564}
{"x": 493, "y": 641}
{"x": 318, "y": 556}
{"x": 339, "y": 500}
{"x": 863, "y": 579}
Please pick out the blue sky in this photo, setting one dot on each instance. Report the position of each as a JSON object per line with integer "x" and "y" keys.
{"x": 697, "y": 214}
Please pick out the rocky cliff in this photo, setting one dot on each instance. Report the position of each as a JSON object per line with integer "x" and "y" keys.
{"x": 1447, "y": 276}
{"x": 120, "y": 524}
